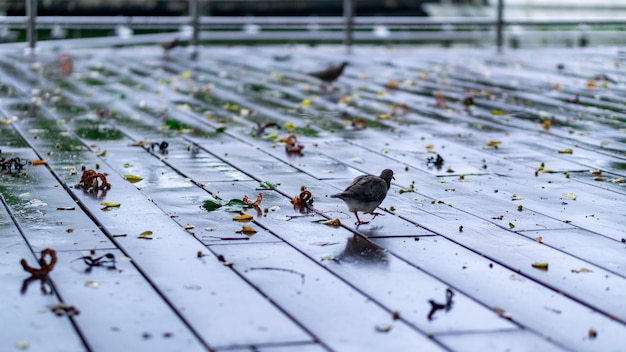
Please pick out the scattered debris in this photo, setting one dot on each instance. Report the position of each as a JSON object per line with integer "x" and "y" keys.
{"x": 89, "y": 181}
{"x": 434, "y": 306}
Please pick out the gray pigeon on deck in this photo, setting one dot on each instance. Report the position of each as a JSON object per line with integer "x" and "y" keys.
{"x": 366, "y": 193}
{"x": 330, "y": 74}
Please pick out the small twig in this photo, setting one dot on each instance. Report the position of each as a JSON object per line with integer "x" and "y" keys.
{"x": 291, "y": 217}
{"x": 228, "y": 238}
{"x": 280, "y": 269}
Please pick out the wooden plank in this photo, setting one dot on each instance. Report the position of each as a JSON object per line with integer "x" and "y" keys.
{"x": 327, "y": 313}
{"x": 498, "y": 341}
{"x": 589, "y": 246}
{"x": 37, "y": 206}
{"x": 228, "y": 292}
{"x": 26, "y": 323}
{"x": 562, "y": 320}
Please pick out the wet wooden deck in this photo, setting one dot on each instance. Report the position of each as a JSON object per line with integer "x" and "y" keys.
{"x": 513, "y": 191}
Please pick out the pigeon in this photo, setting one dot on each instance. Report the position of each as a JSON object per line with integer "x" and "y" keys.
{"x": 330, "y": 74}
{"x": 365, "y": 194}
{"x": 168, "y": 46}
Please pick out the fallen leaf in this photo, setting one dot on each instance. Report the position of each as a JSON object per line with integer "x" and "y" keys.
{"x": 267, "y": 185}
{"x": 110, "y": 205}
{"x": 581, "y": 270}
{"x": 501, "y": 312}
{"x": 145, "y": 235}
{"x": 493, "y": 144}
{"x": 22, "y": 345}
{"x": 66, "y": 208}
{"x": 247, "y": 230}
{"x": 243, "y": 217}
{"x": 132, "y": 178}
{"x": 570, "y": 196}
{"x": 92, "y": 284}
{"x": 235, "y": 205}
{"x": 189, "y": 227}
{"x": 540, "y": 265}
{"x": 210, "y": 205}
{"x": 383, "y": 327}
{"x": 334, "y": 222}
{"x": 566, "y": 151}
{"x": 39, "y": 162}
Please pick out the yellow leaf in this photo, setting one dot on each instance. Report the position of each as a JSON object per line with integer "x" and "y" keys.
{"x": 345, "y": 100}
{"x": 92, "y": 284}
{"x": 38, "y": 162}
{"x": 334, "y": 222}
{"x": 289, "y": 126}
{"x": 247, "y": 230}
{"x": 566, "y": 151}
{"x": 498, "y": 112}
{"x": 570, "y": 196}
{"x": 145, "y": 234}
{"x": 306, "y": 102}
{"x": 186, "y": 74}
{"x": 540, "y": 266}
{"x": 243, "y": 217}
{"x": 132, "y": 178}
{"x": 493, "y": 143}
{"x": 110, "y": 205}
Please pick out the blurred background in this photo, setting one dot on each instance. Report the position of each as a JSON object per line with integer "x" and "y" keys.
{"x": 526, "y": 23}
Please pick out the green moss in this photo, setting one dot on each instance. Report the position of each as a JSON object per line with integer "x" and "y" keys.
{"x": 99, "y": 134}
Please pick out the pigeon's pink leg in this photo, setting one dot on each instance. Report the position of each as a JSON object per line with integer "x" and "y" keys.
{"x": 376, "y": 214}
{"x": 358, "y": 221}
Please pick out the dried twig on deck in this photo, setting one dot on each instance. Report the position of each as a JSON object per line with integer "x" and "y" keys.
{"x": 280, "y": 269}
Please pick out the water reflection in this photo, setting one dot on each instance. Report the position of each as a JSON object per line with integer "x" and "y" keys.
{"x": 359, "y": 250}
{"x": 46, "y": 287}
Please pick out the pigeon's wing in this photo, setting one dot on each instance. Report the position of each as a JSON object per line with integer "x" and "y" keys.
{"x": 368, "y": 188}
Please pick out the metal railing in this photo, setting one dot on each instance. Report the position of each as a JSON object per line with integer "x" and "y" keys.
{"x": 351, "y": 26}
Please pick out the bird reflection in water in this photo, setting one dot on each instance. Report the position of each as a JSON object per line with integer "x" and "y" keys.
{"x": 360, "y": 250}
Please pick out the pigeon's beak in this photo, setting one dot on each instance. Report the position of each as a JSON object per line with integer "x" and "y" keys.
{"x": 393, "y": 178}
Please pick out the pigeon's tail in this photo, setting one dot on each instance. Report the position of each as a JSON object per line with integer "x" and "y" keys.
{"x": 342, "y": 195}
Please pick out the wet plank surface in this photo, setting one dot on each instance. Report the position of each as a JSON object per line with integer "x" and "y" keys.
{"x": 513, "y": 240}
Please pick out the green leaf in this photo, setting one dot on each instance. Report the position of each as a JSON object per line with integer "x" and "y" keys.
{"x": 235, "y": 205}
{"x": 268, "y": 185}
{"x": 210, "y": 205}
{"x": 511, "y": 225}
{"x": 216, "y": 132}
